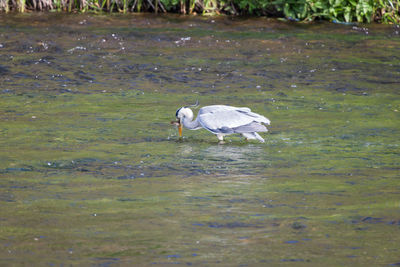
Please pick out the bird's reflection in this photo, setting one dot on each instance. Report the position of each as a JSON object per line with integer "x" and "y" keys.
{"x": 223, "y": 155}
{"x": 232, "y": 153}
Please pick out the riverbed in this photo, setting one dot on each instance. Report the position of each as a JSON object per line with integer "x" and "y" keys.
{"x": 93, "y": 173}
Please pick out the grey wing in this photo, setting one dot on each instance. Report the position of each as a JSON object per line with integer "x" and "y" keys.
{"x": 220, "y": 108}
{"x": 227, "y": 119}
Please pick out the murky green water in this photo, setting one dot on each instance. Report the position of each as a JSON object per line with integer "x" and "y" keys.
{"x": 92, "y": 173}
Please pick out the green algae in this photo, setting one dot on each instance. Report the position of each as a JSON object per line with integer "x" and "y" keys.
{"x": 92, "y": 172}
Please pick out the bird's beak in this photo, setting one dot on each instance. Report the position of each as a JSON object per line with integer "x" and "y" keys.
{"x": 179, "y": 124}
{"x": 180, "y": 129}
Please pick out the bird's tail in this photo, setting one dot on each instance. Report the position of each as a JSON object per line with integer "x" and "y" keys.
{"x": 259, "y": 138}
{"x": 254, "y": 136}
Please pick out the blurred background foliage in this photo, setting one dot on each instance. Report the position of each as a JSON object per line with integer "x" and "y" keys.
{"x": 341, "y": 11}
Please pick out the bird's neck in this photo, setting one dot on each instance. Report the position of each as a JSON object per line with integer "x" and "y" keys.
{"x": 192, "y": 125}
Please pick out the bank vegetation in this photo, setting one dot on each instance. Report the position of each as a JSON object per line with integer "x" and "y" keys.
{"x": 341, "y": 11}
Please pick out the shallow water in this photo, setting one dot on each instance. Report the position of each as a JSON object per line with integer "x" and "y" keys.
{"x": 92, "y": 173}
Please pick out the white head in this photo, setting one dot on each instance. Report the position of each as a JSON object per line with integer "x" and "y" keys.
{"x": 184, "y": 113}
{"x": 181, "y": 114}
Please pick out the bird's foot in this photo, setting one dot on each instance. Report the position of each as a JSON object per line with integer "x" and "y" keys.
{"x": 221, "y": 142}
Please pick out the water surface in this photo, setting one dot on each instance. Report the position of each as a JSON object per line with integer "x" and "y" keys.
{"x": 92, "y": 173}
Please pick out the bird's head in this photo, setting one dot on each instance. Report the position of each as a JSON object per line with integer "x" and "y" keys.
{"x": 183, "y": 113}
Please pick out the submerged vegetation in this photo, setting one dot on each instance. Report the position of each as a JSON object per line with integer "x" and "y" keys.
{"x": 93, "y": 174}
{"x": 386, "y": 11}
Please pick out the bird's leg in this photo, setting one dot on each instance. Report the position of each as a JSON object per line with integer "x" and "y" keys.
{"x": 221, "y": 139}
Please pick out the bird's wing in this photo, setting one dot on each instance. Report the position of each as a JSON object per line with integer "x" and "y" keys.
{"x": 226, "y": 119}
{"x": 217, "y": 108}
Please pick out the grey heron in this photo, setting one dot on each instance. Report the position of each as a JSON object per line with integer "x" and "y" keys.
{"x": 222, "y": 120}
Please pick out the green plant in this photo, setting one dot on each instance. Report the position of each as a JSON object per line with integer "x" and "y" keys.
{"x": 389, "y": 11}
{"x": 385, "y": 11}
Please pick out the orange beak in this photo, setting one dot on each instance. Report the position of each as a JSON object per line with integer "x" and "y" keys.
{"x": 180, "y": 126}
{"x": 180, "y": 129}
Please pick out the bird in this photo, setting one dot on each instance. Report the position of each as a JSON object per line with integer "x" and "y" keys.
{"x": 222, "y": 120}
